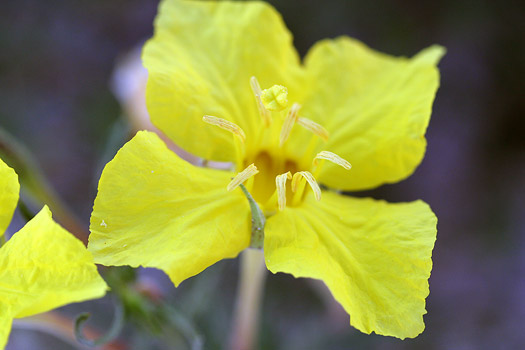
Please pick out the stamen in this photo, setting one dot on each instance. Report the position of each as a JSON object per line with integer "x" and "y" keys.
{"x": 311, "y": 181}
{"x": 289, "y": 122}
{"x": 242, "y": 176}
{"x": 226, "y": 125}
{"x": 275, "y": 98}
{"x": 280, "y": 184}
{"x": 264, "y": 113}
{"x": 313, "y": 127}
{"x": 334, "y": 158}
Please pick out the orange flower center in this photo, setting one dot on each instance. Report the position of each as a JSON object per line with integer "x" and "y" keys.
{"x": 273, "y": 180}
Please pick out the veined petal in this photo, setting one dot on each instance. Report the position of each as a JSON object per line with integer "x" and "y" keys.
{"x": 200, "y": 62}
{"x": 43, "y": 267}
{"x": 9, "y": 189}
{"x": 375, "y": 257}
{"x": 155, "y": 210}
{"x": 376, "y": 108}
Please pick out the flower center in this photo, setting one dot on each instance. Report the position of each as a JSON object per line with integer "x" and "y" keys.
{"x": 270, "y": 166}
{"x": 274, "y": 179}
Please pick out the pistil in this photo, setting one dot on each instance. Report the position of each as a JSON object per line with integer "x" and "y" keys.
{"x": 263, "y": 112}
{"x": 275, "y": 99}
{"x": 288, "y": 124}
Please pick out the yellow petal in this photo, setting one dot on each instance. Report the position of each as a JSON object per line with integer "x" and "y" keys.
{"x": 376, "y": 108}
{"x": 43, "y": 267}
{"x": 375, "y": 257}
{"x": 200, "y": 62}
{"x": 155, "y": 210}
{"x": 9, "y": 189}
{"x": 6, "y": 320}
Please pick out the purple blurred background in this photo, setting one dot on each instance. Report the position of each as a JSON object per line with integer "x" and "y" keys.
{"x": 56, "y": 62}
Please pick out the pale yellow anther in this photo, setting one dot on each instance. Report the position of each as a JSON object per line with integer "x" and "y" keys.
{"x": 275, "y": 99}
{"x": 334, "y": 158}
{"x": 311, "y": 181}
{"x": 242, "y": 176}
{"x": 313, "y": 127}
{"x": 280, "y": 184}
{"x": 226, "y": 125}
{"x": 289, "y": 122}
{"x": 264, "y": 113}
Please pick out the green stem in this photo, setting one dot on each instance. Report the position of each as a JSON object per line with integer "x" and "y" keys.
{"x": 184, "y": 326}
{"x": 258, "y": 221}
{"x": 249, "y": 298}
{"x": 26, "y": 213}
{"x": 112, "y": 333}
{"x": 61, "y": 327}
{"x": 35, "y": 186}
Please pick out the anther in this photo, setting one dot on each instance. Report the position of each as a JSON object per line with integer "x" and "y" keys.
{"x": 275, "y": 99}
{"x": 264, "y": 113}
{"x": 244, "y": 175}
{"x": 313, "y": 127}
{"x": 289, "y": 122}
{"x": 280, "y": 184}
{"x": 334, "y": 158}
{"x": 226, "y": 125}
{"x": 311, "y": 181}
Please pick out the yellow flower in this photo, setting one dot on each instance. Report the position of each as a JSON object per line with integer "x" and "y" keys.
{"x": 42, "y": 266}
{"x": 345, "y": 102}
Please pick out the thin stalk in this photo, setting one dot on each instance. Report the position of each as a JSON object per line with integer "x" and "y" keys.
{"x": 62, "y": 328}
{"x": 109, "y": 336}
{"x": 249, "y": 298}
{"x": 258, "y": 221}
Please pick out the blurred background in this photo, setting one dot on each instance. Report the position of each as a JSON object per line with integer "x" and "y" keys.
{"x": 58, "y": 97}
